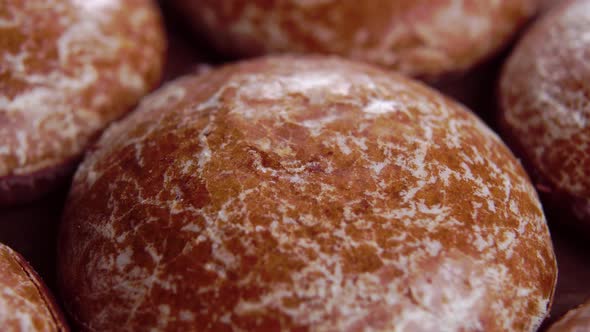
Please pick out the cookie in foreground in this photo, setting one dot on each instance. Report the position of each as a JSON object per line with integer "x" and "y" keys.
{"x": 306, "y": 193}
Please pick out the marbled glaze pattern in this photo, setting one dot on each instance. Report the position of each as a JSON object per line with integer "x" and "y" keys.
{"x": 67, "y": 68}
{"x": 25, "y": 304}
{"x": 545, "y": 96}
{"x": 425, "y": 38}
{"x": 303, "y": 193}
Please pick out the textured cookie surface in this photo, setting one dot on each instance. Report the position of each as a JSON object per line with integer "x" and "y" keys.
{"x": 25, "y": 304}
{"x": 576, "y": 320}
{"x": 425, "y": 38}
{"x": 545, "y": 97}
{"x": 67, "y": 68}
{"x": 303, "y": 194}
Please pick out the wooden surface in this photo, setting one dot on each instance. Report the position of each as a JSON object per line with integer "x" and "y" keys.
{"x": 31, "y": 229}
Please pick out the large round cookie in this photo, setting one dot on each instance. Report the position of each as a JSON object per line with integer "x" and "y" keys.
{"x": 300, "y": 193}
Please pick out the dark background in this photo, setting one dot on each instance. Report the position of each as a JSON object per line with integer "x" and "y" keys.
{"x": 31, "y": 229}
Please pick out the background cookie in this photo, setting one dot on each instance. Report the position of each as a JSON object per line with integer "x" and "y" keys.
{"x": 545, "y": 100}
{"x": 67, "y": 68}
{"x": 422, "y": 38}
{"x": 25, "y": 302}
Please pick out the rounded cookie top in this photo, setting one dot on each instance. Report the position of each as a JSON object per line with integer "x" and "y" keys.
{"x": 25, "y": 304}
{"x": 67, "y": 68}
{"x": 545, "y": 98}
{"x": 303, "y": 193}
{"x": 424, "y": 38}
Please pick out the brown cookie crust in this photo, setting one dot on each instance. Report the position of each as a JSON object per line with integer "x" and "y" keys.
{"x": 25, "y": 302}
{"x": 303, "y": 193}
{"x": 20, "y": 189}
{"x": 545, "y": 99}
{"x": 422, "y": 38}
{"x": 67, "y": 68}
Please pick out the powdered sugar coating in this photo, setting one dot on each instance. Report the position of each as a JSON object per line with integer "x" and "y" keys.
{"x": 576, "y": 320}
{"x": 303, "y": 194}
{"x": 24, "y": 302}
{"x": 546, "y": 101}
{"x": 67, "y": 68}
{"x": 425, "y": 38}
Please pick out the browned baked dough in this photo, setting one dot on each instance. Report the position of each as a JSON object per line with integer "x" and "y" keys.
{"x": 303, "y": 193}
{"x": 25, "y": 303}
{"x": 545, "y": 96}
{"x": 549, "y": 4}
{"x": 576, "y": 320}
{"x": 67, "y": 68}
{"x": 424, "y": 38}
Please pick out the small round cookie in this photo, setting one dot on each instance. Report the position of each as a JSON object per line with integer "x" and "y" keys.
{"x": 545, "y": 101}
{"x": 25, "y": 303}
{"x": 422, "y": 38}
{"x": 68, "y": 68}
{"x": 303, "y": 193}
{"x": 576, "y": 320}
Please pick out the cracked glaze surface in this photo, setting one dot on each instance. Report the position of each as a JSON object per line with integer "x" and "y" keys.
{"x": 67, "y": 68}
{"x": 425, "y": 38}
{"x": 303, "y": 193}
{"x": 576, "y": 320}
{"x": 546, "y": 101}
{"x": 25, "y": 304}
